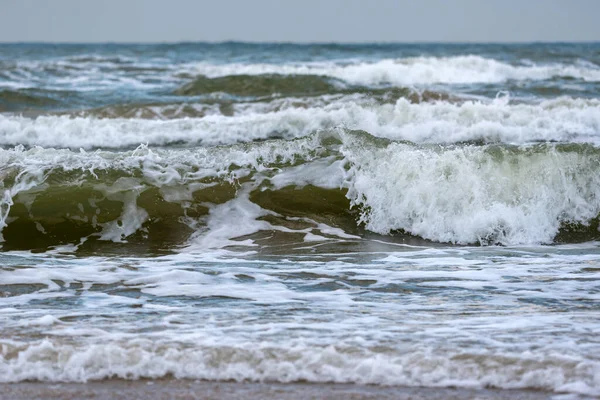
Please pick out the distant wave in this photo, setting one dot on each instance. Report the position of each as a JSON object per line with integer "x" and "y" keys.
{"x": 102, "y": 73}
{"x": 562, "y": 119}
{"x": 31, "y": 99}
{"x": 413, "y": 71}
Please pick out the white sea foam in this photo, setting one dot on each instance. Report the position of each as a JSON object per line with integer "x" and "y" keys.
{"x": 89, "y": 73}
{"x": 414, "y": 71}
{"x": 396, "y": 320}
{"x": 97, "y": 73}
{"x": 473, "y": 194}
{"x": 465, "y": 194}
{"x": 240, "y": 300}
{"x": 49, "y": 361}
{"x": 562, "y": 119}
{"x": 435, "y": 345}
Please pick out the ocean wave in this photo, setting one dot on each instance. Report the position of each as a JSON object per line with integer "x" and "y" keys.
{"x": 412, "y": 71}
{"x": 86, "y": 75}
{"x": 30, "y": 99}
{"x": 547, "y": 369}
{"x": 106, "y": 73}
{"x": 473, "y": 194}
{"x": 562, "y": 119}
{"x": 262, "y": 85}
{"x": 269, "y": 86}
{"x": 484, "y": 194}
{"x": 221, "y": 103}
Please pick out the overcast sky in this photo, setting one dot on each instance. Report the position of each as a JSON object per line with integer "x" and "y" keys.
{"x": 299, "y": 20}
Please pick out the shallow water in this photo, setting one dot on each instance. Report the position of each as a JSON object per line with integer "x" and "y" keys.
{"x": 377, "y": 214}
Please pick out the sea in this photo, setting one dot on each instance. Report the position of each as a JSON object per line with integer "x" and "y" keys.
{"x": 388, "y": 215}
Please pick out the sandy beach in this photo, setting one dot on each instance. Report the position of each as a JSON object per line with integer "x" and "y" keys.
{"x": 186, "y": 389}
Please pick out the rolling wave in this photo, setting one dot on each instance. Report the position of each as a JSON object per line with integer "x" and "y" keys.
{"x": 51, "y": 360}
{"x": 414, "y": 71}
{"x": 562, "y": 119}
{"x": 345, "y": 180}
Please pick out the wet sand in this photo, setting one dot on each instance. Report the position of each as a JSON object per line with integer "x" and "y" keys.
{"x": 186, "y": 389}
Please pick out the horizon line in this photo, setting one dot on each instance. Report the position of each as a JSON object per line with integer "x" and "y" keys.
{"x": 299, "y": 43}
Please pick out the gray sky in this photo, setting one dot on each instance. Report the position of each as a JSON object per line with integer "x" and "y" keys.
{"x": 299, "y": 20}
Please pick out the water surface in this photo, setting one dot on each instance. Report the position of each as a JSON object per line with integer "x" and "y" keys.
{"x": 403, "y": 215}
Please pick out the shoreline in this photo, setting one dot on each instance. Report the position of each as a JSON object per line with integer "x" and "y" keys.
{"x": 189, "y": 389}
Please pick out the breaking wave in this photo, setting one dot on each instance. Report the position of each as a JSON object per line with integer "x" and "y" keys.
{"x": 562, "y": 119}
{"x": 49, "y": 360}
{"x": 346, "y": 180}
{"x": 414, "y": 71}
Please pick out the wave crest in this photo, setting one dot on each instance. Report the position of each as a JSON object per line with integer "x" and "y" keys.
{"x": 344, "y": 179}
{"x": 562, "y": 119}
{"x": 465, "y": 69}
